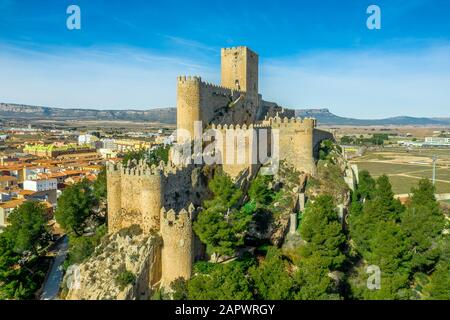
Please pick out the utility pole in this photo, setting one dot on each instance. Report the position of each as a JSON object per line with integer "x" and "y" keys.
{"x": 434, "y": 169}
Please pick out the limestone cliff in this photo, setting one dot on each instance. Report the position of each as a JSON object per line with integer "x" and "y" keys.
{"x": 124, "y": 267}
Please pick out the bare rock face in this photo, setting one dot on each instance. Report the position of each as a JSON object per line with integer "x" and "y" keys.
{"x": 280, "y": 229}
{"x": 124, "y": 267}
{"x": 273, "y": 225}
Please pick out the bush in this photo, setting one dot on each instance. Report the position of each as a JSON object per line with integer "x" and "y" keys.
{"x": 179, "y": 289}
{"x": 204, "y": 267}
{"x": 81, "y": 248}
{"x": 125, "y": 278}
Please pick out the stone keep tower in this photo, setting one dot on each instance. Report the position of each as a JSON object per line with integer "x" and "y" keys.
{"x": 235, "y": 101}
{"x": 240, "y": 70}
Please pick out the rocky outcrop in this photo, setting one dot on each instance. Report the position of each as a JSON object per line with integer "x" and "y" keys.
{"x": 273, "y": 224}
{"x": 124, "y": 267}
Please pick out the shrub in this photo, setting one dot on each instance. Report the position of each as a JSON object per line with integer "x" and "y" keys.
{"x": 125, "y": 278}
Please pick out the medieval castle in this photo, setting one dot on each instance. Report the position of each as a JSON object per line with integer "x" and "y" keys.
{"x": 165, "y": 198}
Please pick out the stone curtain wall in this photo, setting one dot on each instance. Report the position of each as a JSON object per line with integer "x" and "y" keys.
{"x": 164, "y": 198}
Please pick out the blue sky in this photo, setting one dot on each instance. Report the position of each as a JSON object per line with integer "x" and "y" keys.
{"x": 313, "y": 54}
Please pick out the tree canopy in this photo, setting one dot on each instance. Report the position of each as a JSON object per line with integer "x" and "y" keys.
{"x": 21, "y": 274}
{"x": 27, "y": 227}
{"x": 221, "y": 226}
{"x": 75, "y": 206}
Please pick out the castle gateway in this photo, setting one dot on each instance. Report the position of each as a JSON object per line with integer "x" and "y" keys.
{"x": 164, "y": 198}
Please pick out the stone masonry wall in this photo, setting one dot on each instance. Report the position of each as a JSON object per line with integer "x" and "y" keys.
{"x": 295, "y": 141}
{"x": 209, "y": 103}
{"x": 136, "y": 195}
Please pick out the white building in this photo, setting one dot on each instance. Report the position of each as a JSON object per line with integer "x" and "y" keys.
{"x": 437, "y": 141}
{"x": 86, "y": 139}
{"x": 30, "y": 173}
{"x": 4, "y": 196}
{"x": 107, "y": 153}
{"x": 109, "y": 144}
{"x": 40, "y": 184}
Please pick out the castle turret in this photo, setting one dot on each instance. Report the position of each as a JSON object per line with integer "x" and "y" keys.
{"x": 114, "y": 196}
{"x": 188, "y": 105}
{"x": 296, "y": 141}
{"x": 178, "y": 244}
{"x": 152, "y": 196}
{"x": 305, "y": 145}
{"x": 135, "y": 196}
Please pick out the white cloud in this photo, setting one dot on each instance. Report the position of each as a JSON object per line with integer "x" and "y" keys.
{"x": 115, "y": 77}
{"x": 365, "y": 84}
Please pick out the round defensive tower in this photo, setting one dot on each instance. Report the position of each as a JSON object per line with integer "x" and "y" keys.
{"x": 177, "y": 251}
{"x": 188, "y": 106}
{"x": 152, "y": 197}
{"x": 306, "y": 145}
{"x": 114, "y": 197}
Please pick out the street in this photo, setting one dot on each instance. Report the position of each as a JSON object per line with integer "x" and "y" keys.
{"x": 52, "y": 283}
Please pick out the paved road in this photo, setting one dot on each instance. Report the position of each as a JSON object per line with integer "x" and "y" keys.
{"x": 52, "y": 283}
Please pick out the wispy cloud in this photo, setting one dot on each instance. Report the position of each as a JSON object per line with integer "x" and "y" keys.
{"x": 371, "y": 83}
{"x": 126, "y": 23}
{"x": 114, "y": 77}
{"x": 368, "y": 84}
{"x": 188, "y": 43}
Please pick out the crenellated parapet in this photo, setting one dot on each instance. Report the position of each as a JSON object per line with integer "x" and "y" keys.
{"x": 137, "y": 192}
{"x": 177, "y": 222}
{"x": 189, "y": 79}
{"x": 233, "y": 49}
{"x": 239, "y": 126}
{"x": 294, "y": 122}
{"x": 218, "y": 89}
{"x": 142, "y": 169}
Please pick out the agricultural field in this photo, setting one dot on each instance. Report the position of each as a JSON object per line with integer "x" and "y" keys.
{"x": 405, "y": 167}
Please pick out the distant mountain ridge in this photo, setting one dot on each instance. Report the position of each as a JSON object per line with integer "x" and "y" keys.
{"x": 325, "y": 117}
{"x": 168, "y": 116}
{"x": 11, "y": 111}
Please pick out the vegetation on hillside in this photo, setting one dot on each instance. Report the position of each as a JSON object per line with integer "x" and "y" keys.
{"x": 79, "y": 214}
{"x": 152, "y": 157}
{"x": 22, "y": 269}
{"x": 222, "y": 224}
{"x": 408, "y": 243}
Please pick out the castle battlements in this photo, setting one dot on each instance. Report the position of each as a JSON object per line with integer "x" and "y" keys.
{"x": 235, "y": 100}
{"x": 239, "y": 127}
{"x": 298, "y": 122}
{"x": 217, "y": 89}
{"x": 234, "y": 48}
{"x": 156, "y": 197}
{"x": 179, "y": 220}
{"x": 142, "y": 169}
{"x": 195, "y": 79}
